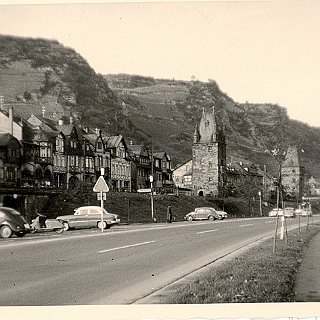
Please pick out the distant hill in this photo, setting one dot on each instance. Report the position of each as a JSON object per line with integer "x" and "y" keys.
{"x": 38, "y": 74}
{"x": 170, "y": 109}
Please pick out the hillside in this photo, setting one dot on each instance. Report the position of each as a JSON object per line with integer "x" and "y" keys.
{"x": 170, "y": 109}
{"x": 39, "y": 74}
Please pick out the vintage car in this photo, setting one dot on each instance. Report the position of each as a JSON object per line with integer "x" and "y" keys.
{"x": 89, "y": 217}
{"x": 288, "y": 212}
{"x": 206, "y": 213}
{"x": 12, "y": 222}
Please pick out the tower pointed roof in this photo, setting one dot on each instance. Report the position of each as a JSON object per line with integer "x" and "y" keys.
{"x": 208, "y": 126}
{"x": 292, "y": 158}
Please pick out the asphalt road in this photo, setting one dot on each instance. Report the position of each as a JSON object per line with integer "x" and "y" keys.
{"x": 118, "y": 266}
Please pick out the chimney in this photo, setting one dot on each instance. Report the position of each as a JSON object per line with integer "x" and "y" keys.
{"x": 11, "y": 120}
{"x": 86, "y": 130}
{"x": 98, "y": 131}
{"x": 130, "y": 142}
{"x": 71, "y": 120}
{"x": 60, "y": 122}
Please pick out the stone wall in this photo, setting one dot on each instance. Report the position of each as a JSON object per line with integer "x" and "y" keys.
{"x": 205, "y": 169}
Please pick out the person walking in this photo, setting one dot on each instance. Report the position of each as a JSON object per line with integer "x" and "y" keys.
{"x": 169, "y": 214}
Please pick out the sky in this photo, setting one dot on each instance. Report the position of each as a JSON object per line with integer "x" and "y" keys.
{"x": 257, "y": 51}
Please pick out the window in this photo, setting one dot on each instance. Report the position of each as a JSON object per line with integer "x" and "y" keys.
{"x": 59, "y": 144}
{"x": 99, "y": 146}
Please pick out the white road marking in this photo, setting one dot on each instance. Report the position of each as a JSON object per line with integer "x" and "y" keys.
{"x": 207, "y": 231}
{"x": 245, "y": 225}
{"x": 124, "y": 247}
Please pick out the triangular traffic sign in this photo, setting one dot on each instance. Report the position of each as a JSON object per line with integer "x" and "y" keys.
{"x": 101, "y": 185}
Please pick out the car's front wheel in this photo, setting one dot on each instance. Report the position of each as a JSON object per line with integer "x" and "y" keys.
{"x": 5, "y": 232}
{"x": 102, "y": 225}
{"x": 66, "y": 226}
{"x": 190, "y": 218}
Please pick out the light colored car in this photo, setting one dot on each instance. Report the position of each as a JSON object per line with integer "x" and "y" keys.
{"x": 303, "y": 212}
{"x": 88, "y": 217}
{"x": 206, "y": 213}
{"x": 289, "y": 212}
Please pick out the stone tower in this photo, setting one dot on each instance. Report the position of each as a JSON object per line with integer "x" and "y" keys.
{"x": 208, "y": 157}
{"x": 292, "y": 173}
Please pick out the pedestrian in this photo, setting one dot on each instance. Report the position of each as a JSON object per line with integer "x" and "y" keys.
{"x": 169, "y": 214}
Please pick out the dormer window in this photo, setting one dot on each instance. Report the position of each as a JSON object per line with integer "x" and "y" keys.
{"x": 99, "y": 145}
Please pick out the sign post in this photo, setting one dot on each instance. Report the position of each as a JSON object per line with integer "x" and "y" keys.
{"x": 101, "y": 188}
{"x": 151, "y": 194}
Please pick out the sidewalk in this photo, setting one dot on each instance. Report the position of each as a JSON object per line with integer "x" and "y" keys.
{"x": 308, "y": 279}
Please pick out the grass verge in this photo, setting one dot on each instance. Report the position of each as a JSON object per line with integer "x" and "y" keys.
{"x": 257, "y": 276}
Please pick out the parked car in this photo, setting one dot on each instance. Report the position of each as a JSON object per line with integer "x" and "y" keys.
{"x": 12, "y": 222}
{"x": 88, "y": 217}
{"x": 303, "y": 212}
{"x": 289, "y": 212}
{"x": 205, "y": 213}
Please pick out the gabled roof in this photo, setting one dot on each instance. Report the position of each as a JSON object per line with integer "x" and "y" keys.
{"x": 292, "y": 158}
{"x": 138, "y": 150}
{"x": 135, "y": 148}
{"x": 183, "y": 164}
{"x": 114, "y": 141}
{"x": 44, "y": 123}
{"x": 91, "y": 137}
{"x": 161, "y": 155}
{"x": 66, "y": 129}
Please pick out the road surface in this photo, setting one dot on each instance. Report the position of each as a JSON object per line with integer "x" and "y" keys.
{"x": 118, "y": 266}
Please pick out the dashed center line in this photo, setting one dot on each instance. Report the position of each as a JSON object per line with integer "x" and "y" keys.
{"x": 124, "y": 247}
{"x": 207, "y": 231}
{"x": 245, "y": 225}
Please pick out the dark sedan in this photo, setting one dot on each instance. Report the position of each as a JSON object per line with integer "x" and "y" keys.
{"x": 12, "y": 222}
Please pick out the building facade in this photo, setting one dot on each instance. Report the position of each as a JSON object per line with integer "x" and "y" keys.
{"x": 140, "y": 166}
{"x": 208, "y": 157}
{"x": 292, "y": 173}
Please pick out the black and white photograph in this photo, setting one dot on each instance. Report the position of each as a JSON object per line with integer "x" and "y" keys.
{"x": 159, "y": 160}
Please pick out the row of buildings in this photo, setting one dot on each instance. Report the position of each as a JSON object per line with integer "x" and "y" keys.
{"x": 39, "y": 155}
